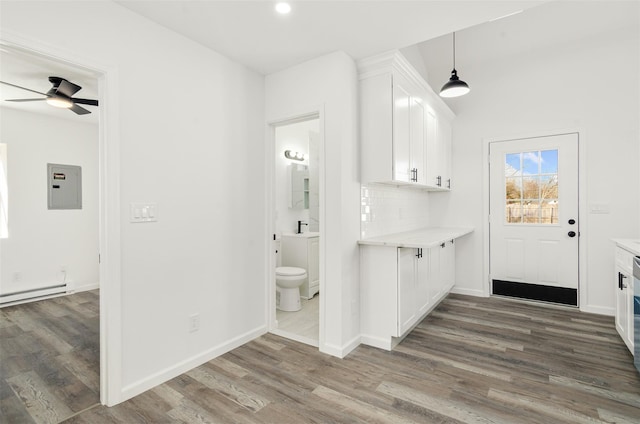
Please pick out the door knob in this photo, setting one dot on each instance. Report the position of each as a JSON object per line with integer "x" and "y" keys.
{"x": 572, "y": 221}
{"x": 571, "y": 233}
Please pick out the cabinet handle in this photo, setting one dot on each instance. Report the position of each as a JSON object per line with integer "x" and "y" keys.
{"x": 449, "y": 183}
{"x": 439, "y": 181}
{"x": 619, "y": 280}
{"x": 414, "y": 175}
{"x": 419, "y": 254}
{"x": 442, "y": 245}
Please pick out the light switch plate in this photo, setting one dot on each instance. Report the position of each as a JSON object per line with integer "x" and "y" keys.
{"x": 143, "y": 212}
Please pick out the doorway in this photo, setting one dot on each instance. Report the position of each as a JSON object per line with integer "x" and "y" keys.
{"x": 534, "y": 224}
{"x": 297, "y": 229}
{"x": 66, "y": 287}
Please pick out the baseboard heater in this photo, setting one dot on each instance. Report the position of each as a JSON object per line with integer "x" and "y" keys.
{"x": 32, "y": 294}
{"x": 561, "y": 295}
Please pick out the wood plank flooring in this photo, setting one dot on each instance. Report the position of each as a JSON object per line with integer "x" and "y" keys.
{"x": 473, "y": 360}
{"x": 49, "y": 358}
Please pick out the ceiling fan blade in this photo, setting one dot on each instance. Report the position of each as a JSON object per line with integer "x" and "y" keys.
{"x": 22, "y": 88}
{"x": 89, "y": 102}
{"x": 24, "y": 100}
{"x": 79, "y": 110}
{"x": 68, "y": 88}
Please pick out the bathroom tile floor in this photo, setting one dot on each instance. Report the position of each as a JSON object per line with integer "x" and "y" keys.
{"x": 305, "y": 322}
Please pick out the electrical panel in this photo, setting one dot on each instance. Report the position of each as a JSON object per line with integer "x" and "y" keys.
{"x": 64, "y": 186}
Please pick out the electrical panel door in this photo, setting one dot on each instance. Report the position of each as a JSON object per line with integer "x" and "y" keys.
{"x": 64, "y": 186}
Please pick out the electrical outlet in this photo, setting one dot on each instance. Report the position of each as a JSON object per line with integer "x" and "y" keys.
{"x": 194, "y": 323}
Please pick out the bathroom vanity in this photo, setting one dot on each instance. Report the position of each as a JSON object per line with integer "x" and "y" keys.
{"x": 303, "y": 251}
{"x": 403, "y": 277}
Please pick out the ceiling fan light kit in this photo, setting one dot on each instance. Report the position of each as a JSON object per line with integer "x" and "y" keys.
{"x": 60, "y": 95}
{"x": 455, "y": 87}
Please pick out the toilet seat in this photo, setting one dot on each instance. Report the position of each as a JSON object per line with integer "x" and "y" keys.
{"x": 290, "y": 271}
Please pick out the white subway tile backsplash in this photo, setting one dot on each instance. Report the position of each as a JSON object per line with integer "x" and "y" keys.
{"x": 390, "y": 209}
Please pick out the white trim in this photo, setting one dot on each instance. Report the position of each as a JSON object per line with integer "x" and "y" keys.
{"x": 468, "y": 292}
{"x": 600, "y": 310}
{"x": 86, "y": 287}
{"x": 582, "y": 205}
{"x": 109, "y": 205}
{"x": 181, "y": 367}
{"x": 296, "y": 337}
{"x": 314, "y": 112}
{"x": 344, "y": 350}
{"x": 374, "y": 341}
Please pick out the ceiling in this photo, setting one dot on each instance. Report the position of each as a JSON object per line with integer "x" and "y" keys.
{"x": 33, "y": 72}
{"x": 252, "y": 33}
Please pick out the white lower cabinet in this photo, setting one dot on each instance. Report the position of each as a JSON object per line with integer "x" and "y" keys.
{"x": 399, "y": 287}
{"x": 624, "y": 296}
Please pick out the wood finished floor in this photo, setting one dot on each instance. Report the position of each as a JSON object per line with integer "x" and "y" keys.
{"x": 49, "y": 359}
{"x": 473, "y": 360}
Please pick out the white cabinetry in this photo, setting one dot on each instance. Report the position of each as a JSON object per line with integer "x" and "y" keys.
{"x": 624, "y": 296}
{"x": 303, "y": 251}
{"x": 399, "y": 287}
{"x": 405, "y": 127}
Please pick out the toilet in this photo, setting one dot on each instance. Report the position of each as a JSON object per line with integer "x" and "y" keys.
{"x": 288, "y": 282}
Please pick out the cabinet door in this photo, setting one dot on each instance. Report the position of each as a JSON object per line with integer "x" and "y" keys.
{"x": 444, "y": 146}
{"x": 433, "y": 166}
{"x": 406, "y": 289}
{"x": 435, "y": 279}
{"x": 313, "y": 257}
{"x": 622, "y": 305}
{"x": 401, "y": 130}
{"x": 417, "y": 152}
{"x": 448, "y": 267}
{"x": 423, "y": 297}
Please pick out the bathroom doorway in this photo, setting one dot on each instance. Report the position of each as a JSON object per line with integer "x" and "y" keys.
{"x": 296, "y": 210}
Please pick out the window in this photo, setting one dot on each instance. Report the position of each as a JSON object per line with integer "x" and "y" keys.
{"x": 531, "y": 186}
{"x": 4, "y": 193}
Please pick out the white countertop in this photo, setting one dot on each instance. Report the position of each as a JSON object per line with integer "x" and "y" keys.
{"x": 308, "y": 234}
{"x": 423, "y": 238}
{"x": 631, "y": 245}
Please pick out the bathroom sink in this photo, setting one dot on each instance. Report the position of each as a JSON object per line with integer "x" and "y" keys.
{"x": 305, "y": 235}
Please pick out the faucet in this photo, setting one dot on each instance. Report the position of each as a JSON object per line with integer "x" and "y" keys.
{"x": 300, "y": 224}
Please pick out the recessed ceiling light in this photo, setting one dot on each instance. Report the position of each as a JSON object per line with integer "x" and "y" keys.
{"x": 283, "y": 8}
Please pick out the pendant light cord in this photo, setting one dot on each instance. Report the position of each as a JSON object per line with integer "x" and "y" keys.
{"x": 454, "y": 50}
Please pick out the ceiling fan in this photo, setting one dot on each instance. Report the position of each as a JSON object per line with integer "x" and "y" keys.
{"x": 60, "y": 95}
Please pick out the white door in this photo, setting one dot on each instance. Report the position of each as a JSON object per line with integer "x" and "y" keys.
{"x": 534, "y": 225}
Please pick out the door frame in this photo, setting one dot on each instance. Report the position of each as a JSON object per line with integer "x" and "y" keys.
{"x": 582, "y": 207}
{"x": 316, "y": 112}
{"x": 109, "y": 205}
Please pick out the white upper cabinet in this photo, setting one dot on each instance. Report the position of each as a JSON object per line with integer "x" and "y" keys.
{"x": 405, "y": 127}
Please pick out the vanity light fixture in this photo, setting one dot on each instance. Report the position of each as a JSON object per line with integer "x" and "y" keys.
{"x": 293, "y": 155}
{"x": 455, "y": 87}
{"x": 283, "y": 8}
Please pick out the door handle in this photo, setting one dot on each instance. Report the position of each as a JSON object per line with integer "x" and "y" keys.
{"x": 571, "y": 233}
{"x": 572, "y": 221}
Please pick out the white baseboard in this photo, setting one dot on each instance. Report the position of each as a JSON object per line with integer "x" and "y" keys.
{"x": 341, "y": 351}
{"x": 600, "y": 310}
{"x": 86, "y": 287}
{"x": 468, "y": 292}
{"x": 378, "y": 342}
{"x": 295, "y": 337}
{"x": 167, "y": 374}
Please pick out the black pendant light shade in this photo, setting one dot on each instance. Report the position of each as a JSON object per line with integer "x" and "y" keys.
{"x": 455, "y": 87}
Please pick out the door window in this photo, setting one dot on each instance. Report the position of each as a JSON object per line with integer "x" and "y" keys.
{"x": 531, "y": 187}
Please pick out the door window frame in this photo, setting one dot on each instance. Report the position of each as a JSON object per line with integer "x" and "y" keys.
{"x": 582, "y": 207}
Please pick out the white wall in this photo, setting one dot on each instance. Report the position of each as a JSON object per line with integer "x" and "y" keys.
{"x": 389, "y": 209}
{"x": 42, "y": 241}
{"x": 294, "y": 137}
{"x": 191, "y": 131}
{"x": 570, "y": 84}
{"x": 330, "y": 83}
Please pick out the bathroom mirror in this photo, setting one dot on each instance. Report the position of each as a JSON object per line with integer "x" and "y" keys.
{"x": 299, "y": 186}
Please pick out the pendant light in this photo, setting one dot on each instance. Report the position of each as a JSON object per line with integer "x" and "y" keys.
{"x": 455, "y": 87}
